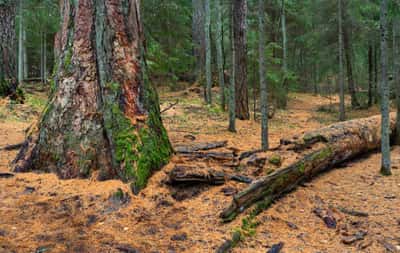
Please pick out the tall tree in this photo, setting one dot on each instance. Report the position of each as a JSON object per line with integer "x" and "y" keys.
{"x": 219, "y": 40}
{"x": 263, "y": 82}
{"x": 385, "y": 92}
{"x": 342, "y": 116}
{"x": 240, "y": 44}
{"x": 285, "y": 53}
{"x": 232, "y": 85}
{"x": 207, "y": 68}
{"x": 370, "y": 75}
{"x": 104, "y": 114}
{"x": 20, "y": 44}
{"x": 396, "y": 56}
{"x": 198, "y": 35}
{"x": 348, "y": 50}
{"x": 8, "y": 71}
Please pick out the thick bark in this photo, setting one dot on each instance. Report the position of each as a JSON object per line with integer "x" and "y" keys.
{"x": 329, "y": 146}
{"x": 342, "y": 111}
{"x": 385, "y": 89}
{"x": 240, "y": 44}
{"x": 263, "y": 81}
{"x": 8, "y": 50}
{"x": 103, "y": 114}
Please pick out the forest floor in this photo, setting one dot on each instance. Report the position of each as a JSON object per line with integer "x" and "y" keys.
{"x": 40, "y": 213}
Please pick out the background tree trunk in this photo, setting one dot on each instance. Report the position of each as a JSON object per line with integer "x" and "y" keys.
{"x": 342, "y": 116}
{"x": 232, "y": 86}
{"x": 103, "y": 115}
{"x": 396, "y": 67}
{"x": 284, "y": 56}
{"x": 263, "y": 82}
{"x": 198, "y": 36}
{"x": 370, "y": 75}
{"x": 219, "y": 40}
{"x": 240, "y": 44}
{"x": 207, "y": 68}
{"x": 8, "y": 71}
{"x": 20, "y": 44}
{"x": 385, "y": 89}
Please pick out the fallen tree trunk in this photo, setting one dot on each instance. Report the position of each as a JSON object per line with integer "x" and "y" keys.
{"x": 186, "y": 175}
{"x": 326, "y": 147}
{"x": 200, "y": 146}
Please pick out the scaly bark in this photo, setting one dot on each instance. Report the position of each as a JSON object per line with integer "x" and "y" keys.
{"x": 240, "y": 44}
{"x": 8, "y": 71}
{"x": 103, "y": 114}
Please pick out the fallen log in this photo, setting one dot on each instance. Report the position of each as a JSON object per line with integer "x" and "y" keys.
{"x": 12, "y": 146}
{"x": 329, "y": 146}
{"x": 190, "y": 175}
{"x": 200, "y": 147}
{"x": 221, "y": 156}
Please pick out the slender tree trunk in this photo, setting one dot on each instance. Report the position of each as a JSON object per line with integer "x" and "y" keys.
{"x": 20, "y": 44}
{"x": 104, "y": 114}
{"x": 232, "y": 86}
{"x": 263, "y": 82}
{"x": 8, "y": 71}
{"x": 376, "y": 92}
{"x": 26, "y": 70}
{"x": 342, "y": 116}
{"x": 44, "y": 58}
{"x": 208, "y": 73}
{"x": 198, "y": 37}
{"x": 284, "y": 58}
{"x": 396, "y": 67}
{"x": 240, "y": 42}
{"x": 220, "y": 53}
{"x": 349, "y": 62}
{"x": 370, "y": 75}
{"x": 385, "y": 90}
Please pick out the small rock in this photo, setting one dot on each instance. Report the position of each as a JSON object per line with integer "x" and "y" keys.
{"x": 189, "y": 137}
{"x": 179, "y": 237}
{"x": 291, "y": 225}
{"x": 276, "y": 248}
{"x": 91, "y": 219}
{"x": 3, "y": 232}
{"x": 29, "y": 190}
{"x": 125, "y": 248}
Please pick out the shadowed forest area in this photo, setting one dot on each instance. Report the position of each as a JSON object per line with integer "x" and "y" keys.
{"x": 199, "y": 126}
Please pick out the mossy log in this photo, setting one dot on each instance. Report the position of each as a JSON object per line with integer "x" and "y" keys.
{"x": 323, "y": 149}
{"x": 189, "y": 175}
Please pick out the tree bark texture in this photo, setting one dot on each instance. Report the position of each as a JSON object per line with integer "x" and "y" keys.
{"x": 8, "y": 50}
{"x": 219, "y": 41}
{"x": 342, "y": 111}
{"x": 396, "y": 34}
{"x": 103, "y": 115}
{"x": 240, "y": 45}
{"x": 319, "y": 151}
{"x": 263, "y": 81}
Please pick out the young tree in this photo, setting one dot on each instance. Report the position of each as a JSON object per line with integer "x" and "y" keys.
{"x": 240, "y": 44}
{"x": 8, "y": 71}
{"x": 285, "y": 53}
{"x": 342, "y": 116}
{"x": 385, "y": 90}
{"x": 263, "y": 82}
{"x": 219, "y": 40}
{"x": 207, "y": 68}
{"x": 104, "y": 114}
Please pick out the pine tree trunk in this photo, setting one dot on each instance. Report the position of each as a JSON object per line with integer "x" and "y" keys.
{"x": 370, "y": 76}
{"x": 385, "y": 89}
{"x": 220, "y": 54}
{"x": 103, "y": 114}
{"x": 20, "y": 44}
{"x": 376, "y": 92}
{"x": 8, "y": 71}
{"x": 26, "y": 70}
{"x": 263, "y": 82}
{"x": 232, "y": 86}
{"x": 207, "y": 68}
{"x": 396, "y": 67}
{"x": 342, "y": 116}
{"x": 284, "y": 57}
{"x": 198, "y": 35}
{"x": 349, "y": 62}
{"x": 240, "y": 44}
